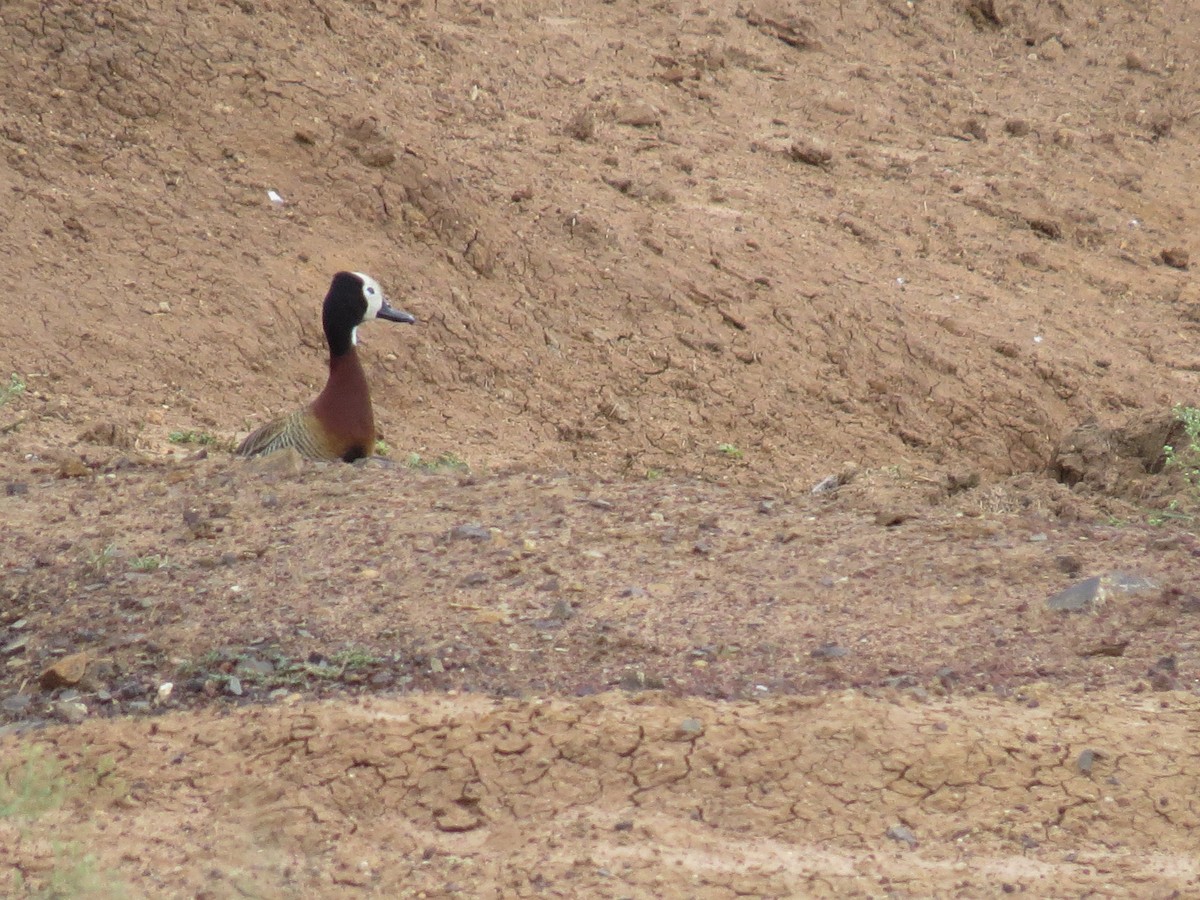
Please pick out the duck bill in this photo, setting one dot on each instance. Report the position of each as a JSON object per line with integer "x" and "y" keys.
{"x": 389, "y": 312}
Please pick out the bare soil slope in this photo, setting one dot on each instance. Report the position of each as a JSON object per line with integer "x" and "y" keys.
{"x": 674, "y": 263}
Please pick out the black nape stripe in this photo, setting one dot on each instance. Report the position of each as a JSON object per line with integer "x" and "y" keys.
{"x": 344, "y": 309}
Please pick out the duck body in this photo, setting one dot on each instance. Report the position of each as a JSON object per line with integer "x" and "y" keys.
{"x": 340, "y": 422}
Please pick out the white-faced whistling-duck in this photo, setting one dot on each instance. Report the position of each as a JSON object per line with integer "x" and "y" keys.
{"x": 339, "y": 423}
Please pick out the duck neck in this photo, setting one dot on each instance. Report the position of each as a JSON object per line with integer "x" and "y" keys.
{"x": 344, "y": 406}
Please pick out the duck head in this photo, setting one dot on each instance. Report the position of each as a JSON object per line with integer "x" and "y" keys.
{"x": 355, "y": 298}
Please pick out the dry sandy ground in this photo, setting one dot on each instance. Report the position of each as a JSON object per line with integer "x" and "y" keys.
{"x": 587, "y": 630}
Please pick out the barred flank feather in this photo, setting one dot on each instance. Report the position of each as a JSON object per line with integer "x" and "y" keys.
{"x": 299, "y": 430}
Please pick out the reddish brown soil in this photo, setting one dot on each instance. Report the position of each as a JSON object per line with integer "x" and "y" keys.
{"x": 674, "y": 264}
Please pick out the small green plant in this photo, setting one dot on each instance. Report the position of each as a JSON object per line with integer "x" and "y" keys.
{"x": 442, "y": 462}
{"x": 150, "y": 563}
{"x": 14, "y": 388}
{"x": 350, "y": 659}
{"x": 730, "y": 450}
{"x": 654, "y": 474}
{"x": 353, "y": 658}
{"x": 97, "y": 562}
{"x": 1171, "y": 513}
{"x": 203, "y": 438}
{"x": 382, "y": 448}
{"x": 1187, "y": 459}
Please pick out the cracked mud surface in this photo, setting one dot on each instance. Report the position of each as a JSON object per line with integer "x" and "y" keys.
{"x": 674, "y": 265}
{"x": 610, "y": 796}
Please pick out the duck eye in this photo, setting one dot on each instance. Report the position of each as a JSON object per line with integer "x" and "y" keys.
{"x": 371, "y": 291}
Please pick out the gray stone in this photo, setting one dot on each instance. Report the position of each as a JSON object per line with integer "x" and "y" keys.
{"x": 16, "y": 704}
{"x": 826, "y": 485}
{"x": 470, "y": 532}
{"x": 70, "y": 711}
{"x": 829, "y": 651}
{"x": 1092, "y": 592}
{"x": 902, "y": 834}
{"x": 1080, "y": 596}
{"x": 1086, "y": 760}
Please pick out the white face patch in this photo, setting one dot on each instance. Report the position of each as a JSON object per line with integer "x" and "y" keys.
{"x": 373, "y": 294}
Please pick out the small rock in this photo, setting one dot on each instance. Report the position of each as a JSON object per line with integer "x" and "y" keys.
{"x": 16, "y": 645}
{"x": 1083, "y": 595}
{"x": 691, "y": 728}
{"x": 129, "y": 690}
{"x": 829, "y": 651}
{"x": 1050, "y": 50}
{"x": 1092, "y": 592}
{"x": 67, "y": 671}
{"x": 826, "y": 485}
{"x": 469, "y": 532}
{"x": 16, "y": 704}
{"x": 234, "y": 686}
{"x": 1164, "y": 674}
{"x": 1086, "y": 760}
{"x": 285, "y": 462}
{"x": 1017, "y": 127}
{"x": 902, "y": 834}
{"x": 1175, "y": 257}
{"x": 810, "y": 152}
{"x": 436, "y": 666}
{"x": 70, "y": 711}
{"x": 16, "y": 489}
{"x": 71, "y": 465}
{"x": 639, "y": 114}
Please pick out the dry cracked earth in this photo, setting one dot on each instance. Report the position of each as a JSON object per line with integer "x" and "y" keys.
{"x": 774, "y": 500}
